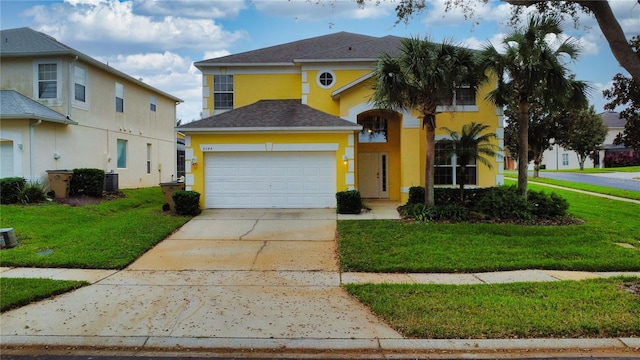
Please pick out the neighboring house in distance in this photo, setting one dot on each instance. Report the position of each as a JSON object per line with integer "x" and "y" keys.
{"x": 292, "y": 124}
{"x": 559, "y": 158}
{"x": 62, "y": 109}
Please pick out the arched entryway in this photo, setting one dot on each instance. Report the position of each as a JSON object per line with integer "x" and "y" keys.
{"x": 379, "y": 155}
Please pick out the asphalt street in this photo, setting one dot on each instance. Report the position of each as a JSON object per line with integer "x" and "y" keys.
{"x": 603, "y": 179}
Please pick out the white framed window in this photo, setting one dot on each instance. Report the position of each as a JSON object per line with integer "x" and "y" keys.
{"x": 446, "y": 169}
{"x": 222, "y": 92}
{"x": 47, "y": 85}
{"x": 326, "y": 79}
{"x": 122, "y": 154}
{"x": 464, "y": 99}
{"x": 79, "y": 84}
{"x": 148, "y": 158}
{"x": 119, "y": 97}
{"x": 152, "y": 103}
{"x": 565, "y": 159}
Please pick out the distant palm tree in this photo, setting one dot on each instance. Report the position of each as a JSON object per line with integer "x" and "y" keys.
{"x": 422, "y": 77}
{"x": 528, "y": 64}
{"x": 470, "y": 145}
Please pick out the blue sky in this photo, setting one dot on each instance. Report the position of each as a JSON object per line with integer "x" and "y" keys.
{"x": 158, "y": 40}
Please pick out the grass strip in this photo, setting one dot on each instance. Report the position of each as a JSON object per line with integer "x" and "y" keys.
{"x": 18, "y": 292}
{"x": 396, "y": 246}
{"x": 599, "y": 308}
{"x": 108, "y": 235}
{"x": 629, "y": 194}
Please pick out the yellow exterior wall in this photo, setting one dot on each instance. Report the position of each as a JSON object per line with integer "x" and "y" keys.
{"x": 248, "y": 89}
{"x": 197, "y": 139}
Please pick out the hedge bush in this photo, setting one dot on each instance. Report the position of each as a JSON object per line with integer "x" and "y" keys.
{"x": 547, "y": 206}
{"x": 10, "y": 189}
{"x": 504, "y": 202}
{"x": 349, "y": 202}
{"x": 89, "y": 182}
{"x": 187, "y": 202}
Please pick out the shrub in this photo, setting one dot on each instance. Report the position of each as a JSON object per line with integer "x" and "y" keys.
{"x": 33, "y": 192}
{"x": 416, "y": 195}
{"x": 89, "y": 182}
{"x": 423, "y": 212}
{"x": 547, "y": 206}
{"x": 10, "y": 189}
{"x": 349, "y": 202}
{"x": 621, "y": 159}
{"x": 187, "y": 202}
{"x": 504, "y": 202}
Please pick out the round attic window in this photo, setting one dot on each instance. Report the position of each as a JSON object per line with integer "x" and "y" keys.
{"x": 326, "y": 79}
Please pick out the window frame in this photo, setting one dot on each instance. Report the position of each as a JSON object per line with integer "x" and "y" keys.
{"x": 83, "y": 82}
{"x": 320, "y": 78}
{"x": 377, "y": 126}
{"x": 122, "y": 146}
{"x": 152, "y": 103}
{"x": 149, "y": 158}
{"x": 119, "y": 105}
{"x": 223, "y": 92}
{"x": 565, "y": 159}
{"x": 451, "y": 165}
{"x": 57, "y": 100}
{"x": 458, "y": 103}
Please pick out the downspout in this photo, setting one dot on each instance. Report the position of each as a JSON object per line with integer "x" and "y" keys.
{"x": 32, "y": 132}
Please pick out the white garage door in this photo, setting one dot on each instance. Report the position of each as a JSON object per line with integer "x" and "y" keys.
{"x": 270, "y": 179}
{"x": 6, "y": 159}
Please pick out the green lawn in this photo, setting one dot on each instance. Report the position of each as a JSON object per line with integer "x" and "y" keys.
{"x": 17, "y": 292}
{"x": 564, "y": 309}
{"x": 629, "y": 194}
{"x": 395, "y": 246}
{"x": 109, "y": 235}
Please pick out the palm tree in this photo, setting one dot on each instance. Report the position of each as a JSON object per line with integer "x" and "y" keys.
{"x": 418, "y": 79}
{"x": 469, "y": 146}
{"x": 530, "y": 63}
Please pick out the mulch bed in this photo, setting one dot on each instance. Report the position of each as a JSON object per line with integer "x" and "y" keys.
{"x": 90, "y": 200}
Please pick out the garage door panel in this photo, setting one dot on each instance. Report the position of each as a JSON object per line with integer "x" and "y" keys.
{"x": 270, "y": 180}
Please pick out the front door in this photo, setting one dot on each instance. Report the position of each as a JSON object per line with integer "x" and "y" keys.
{"x": 372, "y": 175}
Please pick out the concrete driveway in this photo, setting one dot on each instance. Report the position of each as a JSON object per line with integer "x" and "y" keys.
{"x": 226, "y": 274}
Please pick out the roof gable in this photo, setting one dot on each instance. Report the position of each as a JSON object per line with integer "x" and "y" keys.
{"x": 612, "y": 119}
{"x": 283, "y": 115}
{"x": 14, "y": 105}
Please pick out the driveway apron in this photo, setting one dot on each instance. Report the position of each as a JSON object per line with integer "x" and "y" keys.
{"x": 225, "y": 274}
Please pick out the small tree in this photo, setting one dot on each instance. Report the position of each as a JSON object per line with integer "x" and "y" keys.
{"x": 587, "y": 136}
{"x": 470, "y": 146}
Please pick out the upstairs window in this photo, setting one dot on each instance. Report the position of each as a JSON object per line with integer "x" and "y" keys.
{"x": 80, "y": 84}
{"x": 48, "y": 81}
{"x": 326, "y": 79}
{"x": 119, "y": 97}
{"x": 152, "y": 103}
{"x": 222, "y": 92}
{"x": 463, "y": 95}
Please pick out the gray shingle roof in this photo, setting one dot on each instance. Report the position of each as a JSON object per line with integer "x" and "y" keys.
{"x": 338, "y": 46}
{"x": 25, "y": 41}
{"x": 284, "y": 115}
{"x": 14, "y": 105}
{"x": 613, "y": 120}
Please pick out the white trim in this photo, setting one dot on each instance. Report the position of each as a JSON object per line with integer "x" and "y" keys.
{"x": 336, "y": 94}
{"x": 457, "y": 108}
{"x": 404, "y": 189}
{"x": 305, "y": 89}
{"x": 266, "y": 147}
{"x": 499, "y": 179}
{"x": 250, "y": 69}
{"x": 340, "y": 64}
{"x": 84, "y": 105}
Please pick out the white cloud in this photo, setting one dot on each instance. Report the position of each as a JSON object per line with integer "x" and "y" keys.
{"x": 323, "y": 10}
{"x": 215, "y": 54}
{"x": 190, "y": 8}
{"x": 94, "y": 23}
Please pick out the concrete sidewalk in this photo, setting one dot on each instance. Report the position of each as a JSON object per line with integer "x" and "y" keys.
{"x": 246, "y": 281}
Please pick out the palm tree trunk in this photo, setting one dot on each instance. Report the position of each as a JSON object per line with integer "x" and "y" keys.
{"x": 430, "y": 160}
{"x": 463, "y": 180}
{"x": 523, "y": 150}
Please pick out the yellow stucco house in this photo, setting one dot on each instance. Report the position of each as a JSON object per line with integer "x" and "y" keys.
{"x": 290, "y": 125}
{"x": 62, "y": 109}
